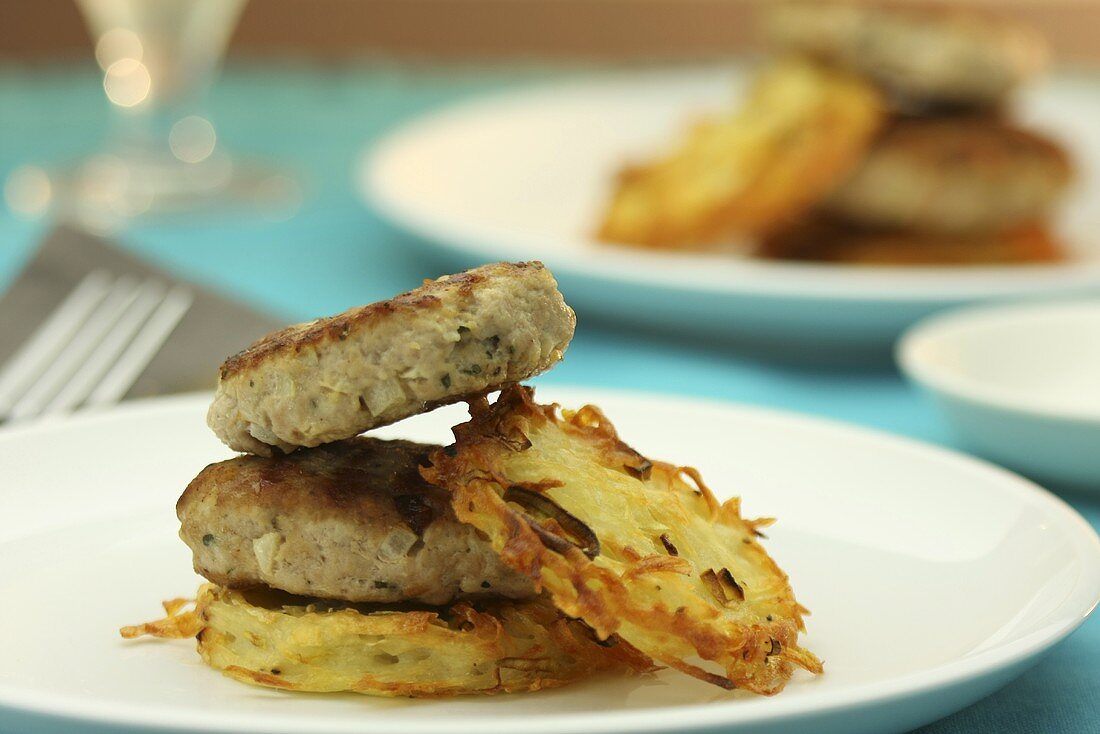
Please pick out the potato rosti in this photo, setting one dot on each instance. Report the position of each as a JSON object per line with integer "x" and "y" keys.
{"x": 801, "y": 130}
{"x": 292, "y": 643}
{"x": 631, "y": 546}
{"x": 827, "y": 241}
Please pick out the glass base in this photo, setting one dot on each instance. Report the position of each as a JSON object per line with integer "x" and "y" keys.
{"x": 107, "y": 192}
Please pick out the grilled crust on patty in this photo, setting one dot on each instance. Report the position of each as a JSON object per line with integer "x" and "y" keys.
{"x": 352, "y": 520}
{"x": 965, "y": 174}
{"x": 924, "y": 53}
{"x": 336, "y": 377}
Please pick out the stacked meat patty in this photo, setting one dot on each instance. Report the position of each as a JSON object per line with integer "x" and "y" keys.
{"x": 950, "y": 178}
{"x": 350, "y": 520}
{"x": 333, "y": 564}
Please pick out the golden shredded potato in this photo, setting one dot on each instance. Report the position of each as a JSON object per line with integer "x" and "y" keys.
{"x": 631, "y": 546}
{"x": 802, "y": 128}
{"x": 273, "y": 639}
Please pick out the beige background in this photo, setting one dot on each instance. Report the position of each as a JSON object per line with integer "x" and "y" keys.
{"x": 44, "y": 29}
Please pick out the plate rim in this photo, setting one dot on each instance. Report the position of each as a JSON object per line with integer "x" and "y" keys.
{"x": 1084, "y": 598}
{"x": 714, "y": 275}
{"x": 959, "y": 386}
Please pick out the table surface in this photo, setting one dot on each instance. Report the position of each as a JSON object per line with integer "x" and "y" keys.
{"x": 332, "y": 253}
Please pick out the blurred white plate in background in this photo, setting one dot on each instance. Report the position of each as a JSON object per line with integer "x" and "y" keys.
{"x": 1018, "y": 383}
{"x": 524, "y": 175}
{"x": 879, "y": 535}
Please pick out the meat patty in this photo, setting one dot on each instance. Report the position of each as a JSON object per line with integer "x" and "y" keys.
{"x": 922, "y": 53}
{"x": 336, "y": 377}
{"x": 967, "y": 174}
{"x": 352, "y": 520}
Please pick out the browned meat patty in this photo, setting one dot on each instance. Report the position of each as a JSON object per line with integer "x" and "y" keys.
{"x": 352, "y": 520}
{"x": 952, "y": 175}
{"x": 336, "y": 377}
{"x": 923, "y": 53}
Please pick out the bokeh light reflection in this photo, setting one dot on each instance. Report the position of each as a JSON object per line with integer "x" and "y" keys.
{"x": 118, "y": 44}
{"x": 127, "y": 82}
{"x": 192, "y": 139}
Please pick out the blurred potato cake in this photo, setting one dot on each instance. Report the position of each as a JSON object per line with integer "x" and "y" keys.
{"x": 824, "y": 240}
{"x": 923, "y": 53}
{"x": 801, "y": 130}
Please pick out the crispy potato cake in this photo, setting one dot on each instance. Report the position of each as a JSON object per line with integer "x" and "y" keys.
{"x": 633, "y": 547}
{"x": 336, "y": 377}
{"x": 351, "y": 520}
{"x": 953, "y": 175}
{"x": 925, "y": 54}
{"x": 829, "y": 241}
{"x": 799, "y": 133}
{"x": 271, "y": 639}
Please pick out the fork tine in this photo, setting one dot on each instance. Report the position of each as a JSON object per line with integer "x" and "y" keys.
{"x": 143, "y": 348}
{"x": 91, "y": 332}
{"x": 51, "y": 336}
{"x": 149, "y": 295}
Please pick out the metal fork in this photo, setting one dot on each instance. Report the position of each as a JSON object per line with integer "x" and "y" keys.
{"x": 91, "y": 349}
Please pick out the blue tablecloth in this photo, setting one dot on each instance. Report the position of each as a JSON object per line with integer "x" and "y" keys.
{"x": 334, "y": 253}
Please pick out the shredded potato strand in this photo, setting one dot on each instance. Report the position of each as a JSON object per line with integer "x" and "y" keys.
{"x": 176, "y": 625}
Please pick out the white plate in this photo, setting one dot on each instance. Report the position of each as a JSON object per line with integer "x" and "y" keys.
{"x": 1019, "y": 384}
{"x": 525, "y": 174}
{"x": 879, "y": 535}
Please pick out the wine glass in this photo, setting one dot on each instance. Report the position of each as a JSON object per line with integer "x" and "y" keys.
{"x": 162, "y": 154}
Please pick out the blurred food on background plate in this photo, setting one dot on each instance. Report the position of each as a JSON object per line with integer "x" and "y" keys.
{"x": 881, "y": 135}
{"x": 953, "y": 175}
{"x": 927, "y": 56}
{"x": 826, "y": 240}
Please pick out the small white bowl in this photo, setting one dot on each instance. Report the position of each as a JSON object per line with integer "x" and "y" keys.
{"x": 1019, "y": 384}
